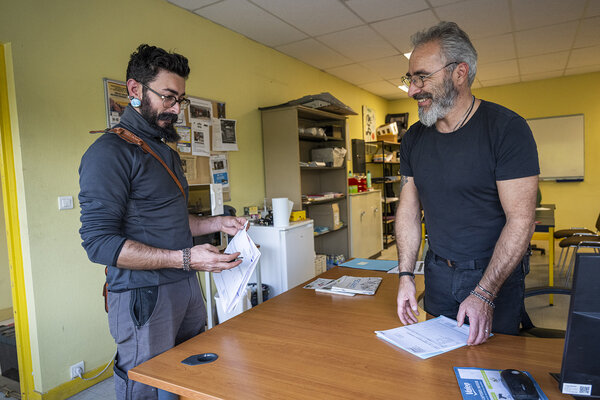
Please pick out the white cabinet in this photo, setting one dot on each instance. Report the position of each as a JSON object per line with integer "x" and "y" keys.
{"x": 365, "y": 224}
{"x": 287, "y": 254}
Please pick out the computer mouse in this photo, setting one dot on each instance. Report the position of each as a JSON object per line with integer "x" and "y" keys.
{"x": 519, "y": 384}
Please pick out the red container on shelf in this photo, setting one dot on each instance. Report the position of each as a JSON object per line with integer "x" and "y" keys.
{"x": 362, "y": 184}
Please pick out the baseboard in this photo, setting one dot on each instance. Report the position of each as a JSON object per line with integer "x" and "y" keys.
{"x": 6, "y": 313}
{"x": 76, "y": 385}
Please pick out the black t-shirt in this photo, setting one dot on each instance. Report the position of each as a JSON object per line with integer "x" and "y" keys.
{"x": 456, "y": 173}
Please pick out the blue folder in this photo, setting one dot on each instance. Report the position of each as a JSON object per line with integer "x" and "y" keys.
{"x": 375, "y": 265}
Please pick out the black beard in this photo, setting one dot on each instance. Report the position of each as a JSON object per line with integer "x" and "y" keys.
{"x": 168, "y": 132}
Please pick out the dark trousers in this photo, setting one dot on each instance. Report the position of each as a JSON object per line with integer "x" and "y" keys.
{"x": 446, "y": 286}
{"x": 146, "y": 322}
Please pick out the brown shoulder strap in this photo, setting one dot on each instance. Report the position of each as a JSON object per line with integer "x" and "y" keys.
{"x": 132, "y": 138}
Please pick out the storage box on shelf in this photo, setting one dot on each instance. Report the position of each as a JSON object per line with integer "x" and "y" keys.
{"x": 291, "y": 147}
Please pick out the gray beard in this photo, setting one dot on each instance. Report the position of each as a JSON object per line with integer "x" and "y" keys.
{"x": 440, "y": 104}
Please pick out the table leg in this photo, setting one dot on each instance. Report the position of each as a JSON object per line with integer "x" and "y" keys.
{"x": 210, "y": 319}
{"x": 259, "y": 294}
{"x": 551, "y": 261}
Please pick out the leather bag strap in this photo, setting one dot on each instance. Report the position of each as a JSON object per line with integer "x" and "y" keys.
{"x": 132, "y": 138}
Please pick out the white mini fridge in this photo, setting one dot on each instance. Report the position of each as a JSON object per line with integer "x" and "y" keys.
{"x": 287, "y": 254}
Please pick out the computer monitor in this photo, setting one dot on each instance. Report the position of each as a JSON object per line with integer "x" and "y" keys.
{"x": 580, "y": 371}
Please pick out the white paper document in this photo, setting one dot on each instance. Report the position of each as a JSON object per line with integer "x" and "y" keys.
{"x": 231, "y": 283}
{"x": 429, "y": 338}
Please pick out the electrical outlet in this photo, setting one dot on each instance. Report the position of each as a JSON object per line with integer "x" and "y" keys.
{"x": 77, "y": 369}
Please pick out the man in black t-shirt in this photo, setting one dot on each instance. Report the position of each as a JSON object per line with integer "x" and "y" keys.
{"x": 472, "y": 166}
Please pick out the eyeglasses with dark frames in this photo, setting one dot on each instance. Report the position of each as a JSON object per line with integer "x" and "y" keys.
{"x": 169, "y": 101}
{"x": 419, "y": 80}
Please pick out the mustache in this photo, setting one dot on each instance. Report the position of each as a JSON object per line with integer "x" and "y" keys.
{"x": 170, "y": 117}
{"x": 420, "y": 96}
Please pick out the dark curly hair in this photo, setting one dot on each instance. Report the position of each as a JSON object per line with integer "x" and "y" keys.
{"x": 147, "y": 61}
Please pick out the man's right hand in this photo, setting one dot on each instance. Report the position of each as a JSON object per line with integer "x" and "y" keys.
{"x": 407, "y": 300}
{"x": 208, "y": 258}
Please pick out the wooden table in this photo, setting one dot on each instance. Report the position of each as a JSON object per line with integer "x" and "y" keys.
{"x": 307, "y": 345}
{"x": 544, "y": 230}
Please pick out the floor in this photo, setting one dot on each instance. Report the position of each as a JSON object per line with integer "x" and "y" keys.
{"x": 540, "y": 312}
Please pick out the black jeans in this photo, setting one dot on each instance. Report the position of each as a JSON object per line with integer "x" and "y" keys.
{"x": 446, "y": 286}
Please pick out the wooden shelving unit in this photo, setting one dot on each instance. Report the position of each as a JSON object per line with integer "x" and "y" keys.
{"x": 285, "y": 147}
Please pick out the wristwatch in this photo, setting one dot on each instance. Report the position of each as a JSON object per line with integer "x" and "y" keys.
{"x": 187, "y": 259}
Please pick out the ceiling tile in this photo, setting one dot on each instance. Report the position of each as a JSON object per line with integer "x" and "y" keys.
{"x": 501, "y": 69}
{"x": 388, "y": 67}
{"x": 584, "y": 57}
{"x": 479, "y": 18}
{"x": 592, "y": 9}
{"x": 542, "y": 75}
{"x": 314, "y": 17}
{"x": 192, "y": 5}
{"x": 528, "y": 14}
{"x": 354, "y": 73}
{"x": 544, "y": 63}
{"x": 399, "y": 30}
{"x": 500, "y": 81}
{"x": 495, "y": 48}
{"x": 376, "y": 10}
{"x": 384, "y": 89}
{"x": 582, "y": 70}
{"x": 588, "y": 33}
{"x": 546, "y": 40}
{"x": 438, "y": 3}
{"x": 249, "y": 20}
{"x": 358, "y": 44}
{"x": 314, "y": 53}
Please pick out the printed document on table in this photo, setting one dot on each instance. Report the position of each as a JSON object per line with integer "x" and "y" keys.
{"x": 231, "y": 283}
{"x": 429, "y": 338}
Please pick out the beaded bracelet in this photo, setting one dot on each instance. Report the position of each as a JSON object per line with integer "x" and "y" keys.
{"x": 480, "y": 297}
{"x": 187, "y": 259}
{"x": 484, "y": 290}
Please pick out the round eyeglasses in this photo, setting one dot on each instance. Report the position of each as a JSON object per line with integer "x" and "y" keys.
{"x": 169, "y": 101}
{"x": 419, "y": 80}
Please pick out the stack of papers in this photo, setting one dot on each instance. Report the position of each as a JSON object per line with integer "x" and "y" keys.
{"x": 429, "y": 338}
{"x": 231, "y": 283}
{"x": 346, "y": 285}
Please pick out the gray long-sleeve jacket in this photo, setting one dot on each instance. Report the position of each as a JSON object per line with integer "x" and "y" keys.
{"x": 127, "y": 194}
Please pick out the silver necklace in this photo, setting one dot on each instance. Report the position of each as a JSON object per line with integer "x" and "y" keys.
{"x": 461, "y": 123}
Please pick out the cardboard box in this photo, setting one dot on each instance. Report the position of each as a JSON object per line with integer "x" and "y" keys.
{"x": 320, "y": 264}
{"x": 298, "y": 215}
{"x": 326, "y": 215}
{"x": 388, "y": 138}
{"x": 332, "y": 156}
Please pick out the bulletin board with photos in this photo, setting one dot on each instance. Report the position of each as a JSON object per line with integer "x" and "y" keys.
{"x": 206, "y": 135}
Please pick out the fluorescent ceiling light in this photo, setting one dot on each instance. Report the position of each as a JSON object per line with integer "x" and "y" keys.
{"x": 403, "y": 87}
{"x": 407, "y": 55}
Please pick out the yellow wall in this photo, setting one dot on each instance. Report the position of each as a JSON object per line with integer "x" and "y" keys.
{"x": 577, "y": 204}
{"x": 61, "y": 50}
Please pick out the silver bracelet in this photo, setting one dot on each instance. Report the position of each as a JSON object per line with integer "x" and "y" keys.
{"x": 484, "y": 290}
{"x": 480, "y": 297}
{"x": 187, "y": 258}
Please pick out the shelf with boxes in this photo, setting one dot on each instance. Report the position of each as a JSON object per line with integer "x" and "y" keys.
{"x": 305, "y": 161}
{"x": 383, "y": 161}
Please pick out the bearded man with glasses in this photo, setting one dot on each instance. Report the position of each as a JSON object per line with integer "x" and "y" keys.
{"x": 472, "y": 166}
{"x": 134, "y": 220}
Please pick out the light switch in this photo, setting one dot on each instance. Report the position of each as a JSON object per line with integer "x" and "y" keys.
{"x": 65, "y": 202}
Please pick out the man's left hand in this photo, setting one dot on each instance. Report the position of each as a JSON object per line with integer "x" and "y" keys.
{"x": 480, "y": 319}
{"x": 231, "y": 225}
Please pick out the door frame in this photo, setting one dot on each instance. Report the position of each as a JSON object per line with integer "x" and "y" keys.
{"x": 11, "y": 215}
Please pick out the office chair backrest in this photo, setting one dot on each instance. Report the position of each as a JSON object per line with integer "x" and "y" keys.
{"x": 598, "y": 224}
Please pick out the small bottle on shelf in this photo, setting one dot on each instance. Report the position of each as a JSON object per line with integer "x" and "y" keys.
{"x": 352, "y": 183}
{"x": 369, "y": 185}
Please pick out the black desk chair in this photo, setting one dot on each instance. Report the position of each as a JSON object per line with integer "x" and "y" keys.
{"x": 564, "y": 234}
{"x": 527, "y": 326}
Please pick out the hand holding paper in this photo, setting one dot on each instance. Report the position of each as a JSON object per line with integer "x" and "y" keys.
{"x": 231, "y": 283}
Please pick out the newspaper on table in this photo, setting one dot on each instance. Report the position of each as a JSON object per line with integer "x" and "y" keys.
{"x": 231, "y": 283}
{"x": 326, "y": 287}
{"x": 356, "y": 284}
